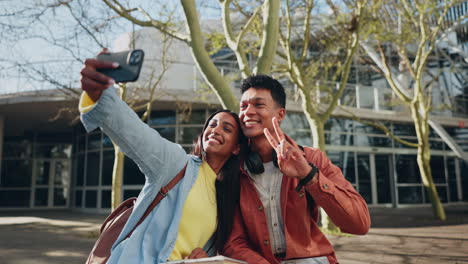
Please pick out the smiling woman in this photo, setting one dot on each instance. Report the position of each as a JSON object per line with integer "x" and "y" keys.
{"x": 199, "y": 210}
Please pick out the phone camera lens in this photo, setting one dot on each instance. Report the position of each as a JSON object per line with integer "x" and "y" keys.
{"x": 135, "y": 58}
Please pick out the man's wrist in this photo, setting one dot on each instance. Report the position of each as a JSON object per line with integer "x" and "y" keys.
{"x": 308, "y": 178}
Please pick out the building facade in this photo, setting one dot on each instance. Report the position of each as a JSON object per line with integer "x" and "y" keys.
{"x": 55, "y": 164}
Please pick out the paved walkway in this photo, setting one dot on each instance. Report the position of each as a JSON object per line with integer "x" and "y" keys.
{"x": 406, "y": 235}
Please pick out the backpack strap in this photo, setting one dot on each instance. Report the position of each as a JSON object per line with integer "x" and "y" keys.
{"x": 161, "y": 194}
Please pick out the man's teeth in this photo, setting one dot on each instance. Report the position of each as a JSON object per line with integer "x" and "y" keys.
{"x": 250, "y": 122}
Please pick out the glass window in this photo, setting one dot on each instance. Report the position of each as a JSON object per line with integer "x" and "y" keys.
{"x": 382, "y": 173}
{"x": 106, "y": 199}
{"x": 301, "y": 137}
{"x": 407, "y": 169}
{"x": 368, "y": 129}
{"x": 339, "y": 125}
{"x": 81, "y": 143}
{"x": 162, "y": 118}
{"x": 339, "y": 139}
{"x": 196, "y": 117}
{"x": 349, "y": 169}
{"x": 364, "y": 140}
{"x": 60, "y": 197}
{"x": 345, "y": 161}
{"x": 94, "y": 141}
{"x": 167, "y": 133}
{"x": 42, "y": 172}
{"x": 366, "y": 97}
{"x": 62, "y": 173}
{"x": 80, "y": 170}
{"x": 464, "y": 179}
{"x": 107, "y": 167}
{"x": 385, "y": 98}
{"x": 78, "y": 198}
{"x": 364, "y": 174}
{"x": 436, "y": 144}
{"x": 458, "y": 133}
{"x": 22, "y": 149}
{"x": 452, "y": 179}
{"x": 15, "y": 198}
{"x": 92, "y": 169}
{"x": 294, "y": 121}
{"x": 442, "y": 191}
{"x": 188, "y": 149}
{"x": 91, "y": 199}
{"x": 189, "y": 134}
{"x": 16, "y": 173}
{"x": 41, "y": 197}
{"x": 438, "y": 169}
{"x": 404, "y": 130}
{"x": 410, "y": 195}
{"x": 349, "y": 96}
{"x": 132, "y": 174}
{"x": 131, "y": 193}
{"x": 53, "y": 151}
{"x": 107, "y": 142}
{"x": 43, "y": 151}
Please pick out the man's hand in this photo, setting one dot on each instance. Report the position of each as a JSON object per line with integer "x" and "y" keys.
{"x": 291, "y": 160}
{"x": 197, "y": 253}
{"x": 94, "y": 82}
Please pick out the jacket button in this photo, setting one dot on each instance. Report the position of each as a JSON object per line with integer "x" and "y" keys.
{"x": 301, "y": 194}
{"x": 266, "y": 242}
{"x": 260, "y": 207}
{"x": 325, "y": 186}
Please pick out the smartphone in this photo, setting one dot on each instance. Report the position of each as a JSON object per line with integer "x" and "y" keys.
{"x": 130, "y": 63}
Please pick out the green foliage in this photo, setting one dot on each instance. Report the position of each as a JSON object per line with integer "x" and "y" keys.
{"x": 215, "y": 41}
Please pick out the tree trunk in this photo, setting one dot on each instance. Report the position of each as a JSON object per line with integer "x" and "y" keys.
{"x": 424, "y": 162}
{"x": 117, "y": 177}
{"x": 207, "y": 68}
{"x": 317, "y": 128}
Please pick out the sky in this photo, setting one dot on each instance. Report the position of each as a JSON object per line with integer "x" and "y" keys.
{"x": 53, "y": 40}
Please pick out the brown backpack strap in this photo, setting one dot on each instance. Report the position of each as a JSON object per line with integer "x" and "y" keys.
{"x": 161, "y": 194}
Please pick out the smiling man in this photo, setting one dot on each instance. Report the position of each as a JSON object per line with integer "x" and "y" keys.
{"x": 282, "y": 187}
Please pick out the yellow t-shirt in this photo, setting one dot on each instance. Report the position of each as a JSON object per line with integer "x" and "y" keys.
{"x": 86, "y": 103}
{"x": 199, "y": 215}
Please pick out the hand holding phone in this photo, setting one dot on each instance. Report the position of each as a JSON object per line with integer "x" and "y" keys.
{"x": 130, "y": 63}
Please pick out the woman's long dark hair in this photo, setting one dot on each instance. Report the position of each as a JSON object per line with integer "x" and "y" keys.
{"x": 228, "y": 188}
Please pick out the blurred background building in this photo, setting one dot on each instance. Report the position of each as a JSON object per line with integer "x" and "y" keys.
{"x": 48, "y": 161}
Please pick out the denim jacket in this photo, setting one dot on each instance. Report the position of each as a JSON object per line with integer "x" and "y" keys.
{"x": 159, "y": 160}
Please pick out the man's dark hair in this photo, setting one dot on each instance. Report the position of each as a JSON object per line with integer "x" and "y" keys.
{"x": 262, "y": 81}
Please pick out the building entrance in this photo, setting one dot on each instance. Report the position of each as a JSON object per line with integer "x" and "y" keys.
{"x": 51, "y": 183}
{"x": 375, "y": 177}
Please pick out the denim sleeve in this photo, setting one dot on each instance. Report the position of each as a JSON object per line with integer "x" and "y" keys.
{"x": 158, "y": 158}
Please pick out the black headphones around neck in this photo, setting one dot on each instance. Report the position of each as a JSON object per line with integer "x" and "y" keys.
{"x": 254, "y": 161}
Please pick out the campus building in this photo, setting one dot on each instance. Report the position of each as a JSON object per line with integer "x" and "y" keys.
{"x": 48, "y": 161}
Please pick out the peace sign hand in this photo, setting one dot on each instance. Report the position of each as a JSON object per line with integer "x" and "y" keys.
{"x": 291, "y": 160}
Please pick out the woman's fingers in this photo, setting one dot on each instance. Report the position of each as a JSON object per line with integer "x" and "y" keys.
{"x": 93, "y": 80}
{"x": 103, "y": 51}
{"x": 198, "y": 253}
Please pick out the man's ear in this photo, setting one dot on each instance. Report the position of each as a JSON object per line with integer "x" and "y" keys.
{"x": 281, "y": 114}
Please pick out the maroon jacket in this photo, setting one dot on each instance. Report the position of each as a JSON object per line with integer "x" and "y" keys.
{"x": 249, "y": 240}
